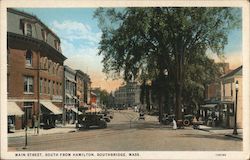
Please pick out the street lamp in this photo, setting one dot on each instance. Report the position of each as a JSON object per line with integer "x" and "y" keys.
{"x": 235, "y": 109}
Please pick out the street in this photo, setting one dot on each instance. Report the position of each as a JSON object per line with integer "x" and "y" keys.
{"x": 126, "y": 133}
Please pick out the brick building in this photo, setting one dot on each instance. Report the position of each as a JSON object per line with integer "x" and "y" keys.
{"x": 35, "y": 64}
{"x": 83, "y": 86}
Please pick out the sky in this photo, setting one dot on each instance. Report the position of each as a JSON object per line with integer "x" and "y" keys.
{"x": 80, "y": 35}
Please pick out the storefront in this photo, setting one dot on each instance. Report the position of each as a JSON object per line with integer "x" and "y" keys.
{"x": 14, "y": 113}
{"x": 50, "y": 114}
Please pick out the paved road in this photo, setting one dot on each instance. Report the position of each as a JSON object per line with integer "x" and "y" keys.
{"x": 126, "y": 133}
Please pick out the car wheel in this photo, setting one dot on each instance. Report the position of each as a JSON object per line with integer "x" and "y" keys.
{"x": 186, "y": 122}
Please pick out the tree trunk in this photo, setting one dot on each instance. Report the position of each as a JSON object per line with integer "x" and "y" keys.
{"x": 147, "y": 98}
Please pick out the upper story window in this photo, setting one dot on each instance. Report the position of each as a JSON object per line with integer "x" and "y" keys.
{"x": 44, "y": 35}
{"x": 28, "y": 84}
{"x": 28, "y": 61}
{"x": 56, "y": 44}
{"x": 28, "y": 29}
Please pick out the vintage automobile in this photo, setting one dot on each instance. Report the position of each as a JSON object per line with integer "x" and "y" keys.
{"x": 141, "y": 116}
{"x": 88, "y": 120}
{"x": 167, "y": 119}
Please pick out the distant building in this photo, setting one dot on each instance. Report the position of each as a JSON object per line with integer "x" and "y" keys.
{"x": 33, "y": 46}
{"x": 127, "y": 95}
{"x": 70, "y": 99}
{"x": 83, "y": 86}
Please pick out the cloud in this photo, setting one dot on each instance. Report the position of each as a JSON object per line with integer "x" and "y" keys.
{"x": 73, "y": 30}
{"x": 80, "y": 45}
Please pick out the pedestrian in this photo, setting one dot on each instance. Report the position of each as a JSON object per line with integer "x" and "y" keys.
{"x": 174, "y": 124}
{"x": 35, "y": 124}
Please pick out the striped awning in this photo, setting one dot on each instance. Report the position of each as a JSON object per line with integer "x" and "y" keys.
{"x": 53, "y": 108}
{"x": 14, "y": 109}
{"x": 75, "y": 110}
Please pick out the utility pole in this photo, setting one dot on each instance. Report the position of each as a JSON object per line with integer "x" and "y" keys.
{"x": 38, "y": 89}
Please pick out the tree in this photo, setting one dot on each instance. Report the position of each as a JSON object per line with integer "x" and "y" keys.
{"x": 146, "y": 41}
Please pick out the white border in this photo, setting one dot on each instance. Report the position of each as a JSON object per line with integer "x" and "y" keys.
{"x": 135, "y": 3}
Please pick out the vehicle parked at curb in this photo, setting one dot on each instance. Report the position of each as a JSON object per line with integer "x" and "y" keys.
{"x": 88, "y": 120}
{"x": 167, "y": 119}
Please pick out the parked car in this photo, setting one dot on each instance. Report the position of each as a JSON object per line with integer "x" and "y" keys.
{"x": 187, "y": 120}
{"x": 88, "y": 120}
{"x": 167, "y": 119}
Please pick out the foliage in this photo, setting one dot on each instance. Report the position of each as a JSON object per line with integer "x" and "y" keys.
{"x": 143, "y": 42}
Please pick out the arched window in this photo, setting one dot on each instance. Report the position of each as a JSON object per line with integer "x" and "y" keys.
{"x": 28, "y": 58}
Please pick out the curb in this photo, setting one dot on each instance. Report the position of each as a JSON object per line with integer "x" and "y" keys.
{"x": 18, "y": 136}
{"x": 233, "y": 136}
{"x": 203, "y": 129}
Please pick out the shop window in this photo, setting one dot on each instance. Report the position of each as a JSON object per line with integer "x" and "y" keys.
{"x": 28, "y": 108}
{"x": 28, "y": 84}
{"x": 28, "y": 57}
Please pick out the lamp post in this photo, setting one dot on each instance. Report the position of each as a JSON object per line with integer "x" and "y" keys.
{"x": 235, "y": 108}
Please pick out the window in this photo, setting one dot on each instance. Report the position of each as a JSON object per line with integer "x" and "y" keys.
{"x": 49, "y": 87}
{"x": 53, "y": 87}
{"x": 28, "y": 107}
{"x": 28, "y": 58}
{"x": 44, "y": 86}
{"x": 28, "y": 84}
{"x": 41, "y": 85}
{"x": 28, "y": 29}
{"x": 57, "y": 86}
{"x": 44, "y": 34}
{"x": 56, "y": 44}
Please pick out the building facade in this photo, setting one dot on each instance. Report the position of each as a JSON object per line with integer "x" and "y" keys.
{"x": 220, "y": 101}
{"x": 228, "y": 97}
{"x": 70, "y": 99}
{"x": 34, "y": 71}
{"x": 128, "y": 95}
{"x": 83, "y": 87}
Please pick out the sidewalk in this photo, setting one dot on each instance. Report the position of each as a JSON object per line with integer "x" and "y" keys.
{"x": 223, "y": 131}
{"x": 59, "y": 129}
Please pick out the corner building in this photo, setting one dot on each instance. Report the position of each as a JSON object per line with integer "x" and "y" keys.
{"x": 34, "y": 64}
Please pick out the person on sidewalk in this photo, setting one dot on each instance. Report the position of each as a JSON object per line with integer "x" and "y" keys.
{"x": 35, "y": 124}
{"x": 174, "y": 124}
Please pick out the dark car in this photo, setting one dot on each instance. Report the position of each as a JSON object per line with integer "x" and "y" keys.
{"x": 187, "y": 120}
{"x": 167, "y": 119}
{"x": 88, "y": 120}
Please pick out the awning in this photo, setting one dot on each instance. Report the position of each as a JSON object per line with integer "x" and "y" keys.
{"x": 70, "y": 79}
{"x": 75, "y": 110}
{"x": 68, "y": 95}
{"x": 14, "y": 109}
{"x": 54, "y": 109}
{"x": 92, "y": 110}
{"x": 209, "y": 105}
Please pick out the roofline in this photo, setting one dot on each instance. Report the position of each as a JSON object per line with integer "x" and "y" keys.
{"x": 28, "y": 15}
{"x": 40, "y": 42}
{"x": 231, "y": 72}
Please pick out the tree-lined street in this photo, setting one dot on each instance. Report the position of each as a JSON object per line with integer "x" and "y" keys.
{"x": 120, "y": 135}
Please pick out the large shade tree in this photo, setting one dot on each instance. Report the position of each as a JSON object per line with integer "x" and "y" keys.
{"x": 145, "y": 42}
